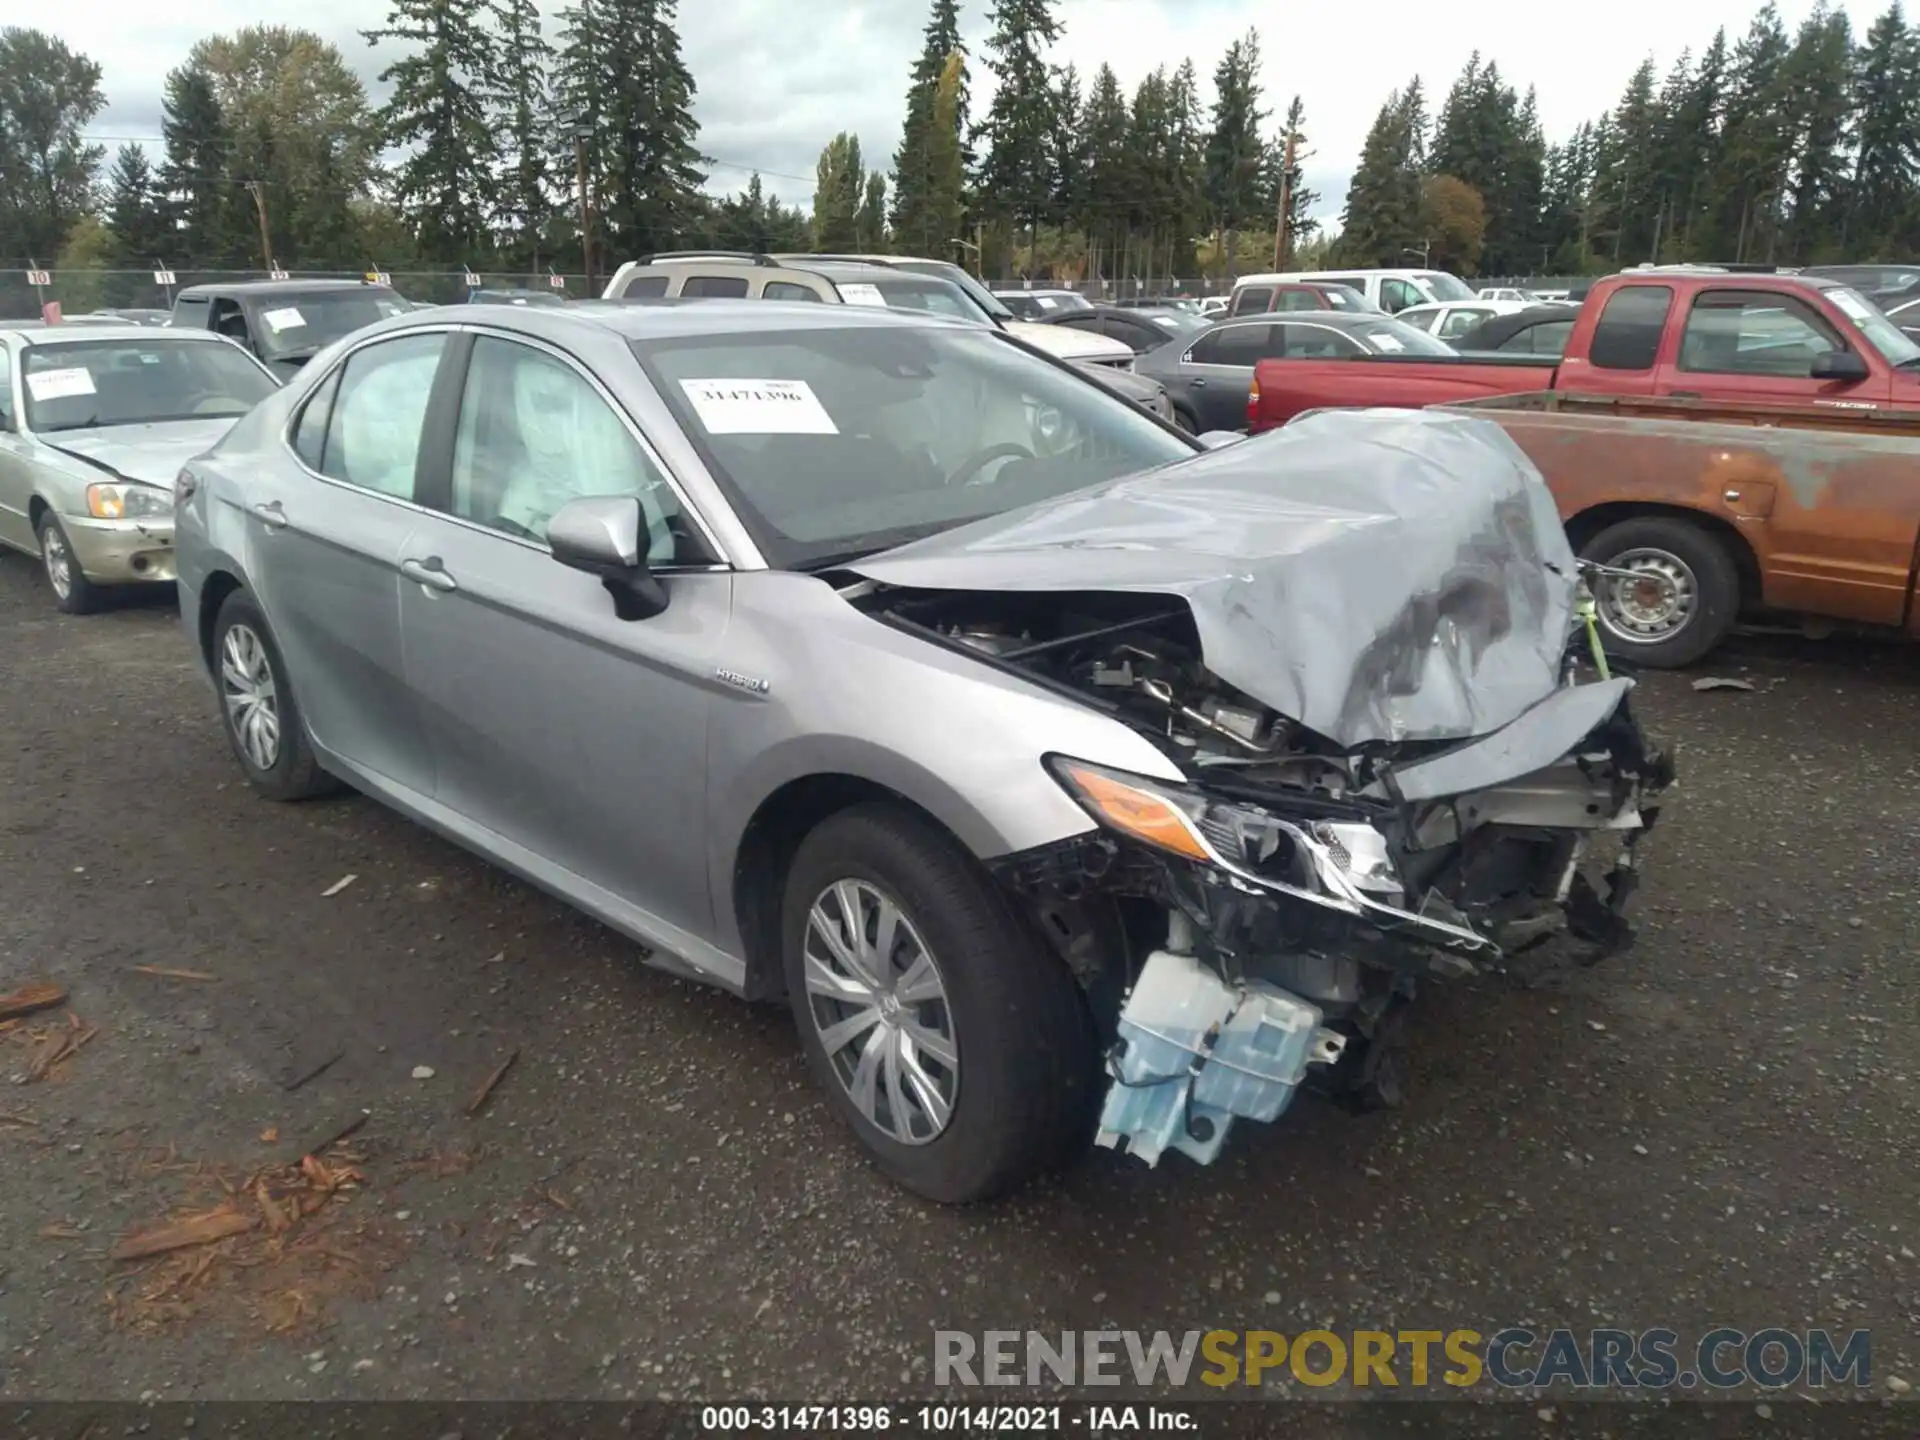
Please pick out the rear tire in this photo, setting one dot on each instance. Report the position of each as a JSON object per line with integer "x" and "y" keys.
{"x": 1707, "y": 582}
{"x": 1185, "y": 422}
{"x": 1021, "y": 1090}
{"x": 257, "y": 708}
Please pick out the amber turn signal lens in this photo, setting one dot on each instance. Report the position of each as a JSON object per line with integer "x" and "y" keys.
{"x": 1136, "y": 812}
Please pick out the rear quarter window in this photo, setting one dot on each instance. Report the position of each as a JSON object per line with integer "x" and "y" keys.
{"x": 1628, "y": 334}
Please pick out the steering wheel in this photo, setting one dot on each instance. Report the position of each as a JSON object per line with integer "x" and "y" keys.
{"x": 1005, "y": 450}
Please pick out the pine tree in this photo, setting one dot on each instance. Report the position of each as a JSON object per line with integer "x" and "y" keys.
{"x": 48, "y": 93}
{"x": 1887, "y": 103}
{"x": 438, "y": 113}
{"x": 1234, "y": 152}
{"x": 134, "y": 215}
{"x": 1065, "y": 155}
{"x": 939, "y": 209}
{"x": 870, "y": 226}
{"x": 519, "y": 103}
{"x": 756, "y": 221}
{"x": 915, "y": 221}
{"x": 1757, "y": 141}
{"x": 1382, "y": 221}
{"x": 1626, "y": 186}
{"x": 1817, "y": 76}
{"x": 1300, "y": 224}
{"x": 621, "y": 76}
{"x": 1017, "y": 174}
{"x": 1106, "y": 182}
{"x": 198, "y": 190}
{"x": 837, "y": 196}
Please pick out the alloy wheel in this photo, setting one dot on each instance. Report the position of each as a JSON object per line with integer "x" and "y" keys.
{"x": 246, "y": 685}
{"x": 879, "y": 1006}
{"x": 58, "y": 560}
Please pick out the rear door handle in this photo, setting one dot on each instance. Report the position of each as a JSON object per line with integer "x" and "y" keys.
{"x": 1199, "y": 382}
{"x": 429, "y": 572}
{"x": 271, "y": 514}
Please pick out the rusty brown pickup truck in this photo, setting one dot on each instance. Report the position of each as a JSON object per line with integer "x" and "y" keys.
{"x": 1727, "y": 508}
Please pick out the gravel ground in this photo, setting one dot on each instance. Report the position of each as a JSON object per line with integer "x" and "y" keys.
{"x": 1717, "y": 1128}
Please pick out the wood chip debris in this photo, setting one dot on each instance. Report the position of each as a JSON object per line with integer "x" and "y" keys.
{"x": 31, "y": 998}
{"x": 337, "y": 886}
{"x": 1720, "y": 682}
{"x": 60, "y": 1046}
{"x": 167, "y": 972}
{"x": 204, "y": 1229}
{"x": 487, "y": 1085}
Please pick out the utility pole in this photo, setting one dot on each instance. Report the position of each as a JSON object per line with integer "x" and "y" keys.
{"x": 259, "y": 194}
{"x": 1286, "y": 203}
{"x": 581, "y": 132}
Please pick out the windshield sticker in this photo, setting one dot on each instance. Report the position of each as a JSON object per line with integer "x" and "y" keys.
{"x": 287, "y": 319}
{"x": 1389, "y": 343}
{"x": 1046, "y": 302}
{"x": 60, "y": 384}
{"x": 860, "y": 293}
{"x": 759, "y": 407}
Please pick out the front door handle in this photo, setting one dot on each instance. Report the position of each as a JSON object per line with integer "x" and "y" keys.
{"x": 429, "y": 572}
{"x": 271, "y": 514}
{"x": 1199, "y": 382}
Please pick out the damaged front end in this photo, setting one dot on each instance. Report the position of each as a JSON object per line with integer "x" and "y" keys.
{"x": 1388, "y": 769}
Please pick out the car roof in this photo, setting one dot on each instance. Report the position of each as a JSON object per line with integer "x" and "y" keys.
{"x": 656, "y": 319}
{"x": 39, "y": 333}
{"x": 1335, "y": 318}
{"x": 278, "y": 287}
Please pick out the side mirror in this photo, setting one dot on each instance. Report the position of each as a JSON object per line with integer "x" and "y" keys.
{"x": 1215, "y": 439}
{"x": 602, "y": 536}
{"x": 1839, "y": 365}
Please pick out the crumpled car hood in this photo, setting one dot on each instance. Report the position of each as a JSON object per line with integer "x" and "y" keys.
{"x": 149, "y": 454}
{"x": 1375, "y": 575}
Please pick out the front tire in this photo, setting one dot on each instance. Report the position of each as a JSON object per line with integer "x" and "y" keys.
{"x": 72, "y": 591}
{"x": 257, "y": 707}
{"x": 953, "y": 1044}
{"x": 1689, "y": 603}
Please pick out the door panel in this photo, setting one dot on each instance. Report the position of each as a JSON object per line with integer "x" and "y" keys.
{"x": 1758, "y": 345}
{"x": 1219, "y": 373}
{"x": 324, "y": 556}
{"x": 555, "y": 724}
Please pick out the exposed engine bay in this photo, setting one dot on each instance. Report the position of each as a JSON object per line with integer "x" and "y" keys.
{"x": 1272, "y": 915}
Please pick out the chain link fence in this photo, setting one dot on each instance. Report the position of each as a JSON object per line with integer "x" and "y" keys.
{"x": 79, "y": 291}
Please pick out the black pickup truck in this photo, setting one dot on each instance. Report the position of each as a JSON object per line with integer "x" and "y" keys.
{"x": 286, "y": 322}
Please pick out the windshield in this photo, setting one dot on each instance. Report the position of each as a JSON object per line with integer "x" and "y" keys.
{"x": 936, "y": 297}
{"x": 835, "y": 443}
{"x": 1881, "y": 333}
{"x": 972, "y": 288}
{"x": 307, "y": 322}
{"x": 138, "y": 382}
{"x": 1443, "y": 286}
{"x": 1387, "y": 336}
{"x": 1345, "y": 297}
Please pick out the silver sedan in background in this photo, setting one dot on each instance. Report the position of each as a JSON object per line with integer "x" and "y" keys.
{"x": 95, "y": 423}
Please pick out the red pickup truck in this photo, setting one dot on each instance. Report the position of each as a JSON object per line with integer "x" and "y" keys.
{"x": 1696, "y": 335}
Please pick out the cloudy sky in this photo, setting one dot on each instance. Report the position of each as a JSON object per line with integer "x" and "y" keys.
{"x": 777, "y": 80}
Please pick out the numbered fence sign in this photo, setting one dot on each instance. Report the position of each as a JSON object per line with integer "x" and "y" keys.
{"x": 276, "y": 273}
{"x": 39, "y": 278}
{"x": 379, "y": 277}
{"x": 558, "y": 282}
{"x": 473, "y": 281}
{"x": 164, "y": 277}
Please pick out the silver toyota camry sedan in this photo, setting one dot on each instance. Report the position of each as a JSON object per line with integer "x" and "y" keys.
{"x": 95, "y": 423}
{"x": 1072, "y": 779}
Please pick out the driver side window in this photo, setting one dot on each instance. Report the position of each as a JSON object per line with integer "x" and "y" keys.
{"x": 533, "y": 435}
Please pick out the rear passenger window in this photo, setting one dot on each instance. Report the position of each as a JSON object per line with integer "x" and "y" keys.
{"x": 1233, "y": 345}
{"x": 716, "y": 287}
{"x": 786, "y": 290}
{"x": 1628, "y": 335}
{"x": 310, "y": 432}
{"x": 1252, "y": 300}
{"x": 373, "y": 430}
{"x": 643, "y": 287}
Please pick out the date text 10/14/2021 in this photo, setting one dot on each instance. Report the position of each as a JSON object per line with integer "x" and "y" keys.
{"x": 949, "y": 1419}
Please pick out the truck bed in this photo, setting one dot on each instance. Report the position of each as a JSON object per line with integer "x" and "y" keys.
{"x": 1285, "y": 388}
{"x": 1820, "y": 504}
